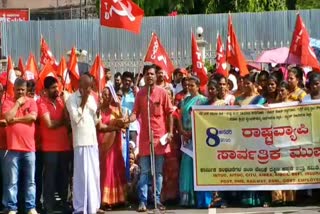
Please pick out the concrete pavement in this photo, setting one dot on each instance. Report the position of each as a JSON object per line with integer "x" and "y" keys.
{"x": 271, "y": 210}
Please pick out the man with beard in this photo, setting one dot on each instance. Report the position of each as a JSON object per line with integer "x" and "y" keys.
{"x": 55, "y": 144}
{"x": 178, "y": 76}
{"x": 161, "y": 76}
{"x": 160, "y": 114}
{"x": 117, "y": 81}
{"x": 20, "y": 113}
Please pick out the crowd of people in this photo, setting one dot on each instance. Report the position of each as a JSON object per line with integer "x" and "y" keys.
{"x": 92, "y": 148}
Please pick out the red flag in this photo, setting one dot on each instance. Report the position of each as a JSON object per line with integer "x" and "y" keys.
{"x": 156, "y": 54}
{"x": 122, "y": 14}
{"x": 97, "y": 72}
{"x": 221, "y": 64}
{"x": 46, "y": 54}
{"x": 21, "y": 65}
{"x": 197, "y": 63}
{"x": 47, "y": 70}
{"x": 31, "y": 71}
{"x": 300, "y": 45}
{"x": 234, "y": 54}
{"x": 73, "y": 64}
{"x": 11, "y": 77}
{"x": 62, "y": 71}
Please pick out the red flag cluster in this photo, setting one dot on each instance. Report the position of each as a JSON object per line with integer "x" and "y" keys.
{"x": 125, "y": 14}
{"x": 67, "y": 75}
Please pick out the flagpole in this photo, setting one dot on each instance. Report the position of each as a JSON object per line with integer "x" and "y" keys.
{"x": 65, "y": 78}
{"x": 67, "y": 74}
{"x": 287, "y": 61}
{"x": 100, "y": 54}
{"x": 192, "y": 68}
{"x": 7, "y": 80}
{"x": 100, "y": 50}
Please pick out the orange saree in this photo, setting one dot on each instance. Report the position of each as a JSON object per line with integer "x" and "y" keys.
{"x": 112, "y": 166}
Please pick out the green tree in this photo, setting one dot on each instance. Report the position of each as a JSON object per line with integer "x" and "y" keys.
{"x": 164, "y": 7}
{"x": 223, "y": 6}
{"x": 307, "y": 4}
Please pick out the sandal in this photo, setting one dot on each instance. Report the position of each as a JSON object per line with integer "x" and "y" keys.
{"x": 161, "y": 207}
{"x": 214, "y": 202}
{"x": 142, "y": 208}
{"x": 266, "y": 205}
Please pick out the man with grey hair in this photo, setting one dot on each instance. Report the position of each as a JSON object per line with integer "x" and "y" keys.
{"x": 20, "y": 112}
{"x": 82, "y": 109}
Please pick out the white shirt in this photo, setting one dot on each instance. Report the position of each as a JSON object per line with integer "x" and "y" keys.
{"x": 84, "y": 122}
{"x": 177, "y": 89}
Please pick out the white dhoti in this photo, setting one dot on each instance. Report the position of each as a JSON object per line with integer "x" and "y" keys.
{"x": 86, "y": 180}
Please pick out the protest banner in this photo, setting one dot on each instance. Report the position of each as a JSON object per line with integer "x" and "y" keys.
{"x": 256, "y": 148}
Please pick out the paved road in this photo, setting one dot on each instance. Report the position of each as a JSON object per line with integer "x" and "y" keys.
{"x": 276, "y": 210}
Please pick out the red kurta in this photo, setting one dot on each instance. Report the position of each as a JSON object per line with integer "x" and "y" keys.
{"x": 160, "y": 108}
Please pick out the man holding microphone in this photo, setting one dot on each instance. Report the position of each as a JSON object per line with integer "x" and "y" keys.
{"x": 159, "y": 115}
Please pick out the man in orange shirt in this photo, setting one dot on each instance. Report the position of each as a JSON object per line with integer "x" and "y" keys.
{"x": 20, "y": 113}
{"x": 55, "y": 145}
{"x": 160, "y": 114}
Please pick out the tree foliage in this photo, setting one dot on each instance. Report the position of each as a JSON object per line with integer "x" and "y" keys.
{"x": 307, "y": 4}
{"x": 164, "y": 7}
{"x": 222, "y": 6}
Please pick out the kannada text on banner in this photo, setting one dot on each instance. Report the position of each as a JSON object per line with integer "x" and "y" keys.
{"x": 256, "y": 148}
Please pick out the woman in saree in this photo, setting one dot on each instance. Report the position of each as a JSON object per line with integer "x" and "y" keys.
{"x": 240, "y": 84}
{"x": 187, "y": 195}
{"x": 170, "y": 189}
{"x": 262, "y": 80}
{"x": 251, "y": 97}
{"x": 296, "y": 93}
{"x": 283, "y": 91}
{"x": 223, "y": 91}
{"x": 272, "y": 89}
{"x": 213, "y": 91}
{"x": 283, "y": 197}
{"x": 314, "y": 87}
{"x": 112, "y": 166}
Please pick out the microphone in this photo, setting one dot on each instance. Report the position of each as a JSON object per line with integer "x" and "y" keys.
{"x": 152, "y": 153}
{"x": 149, "y": 112}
